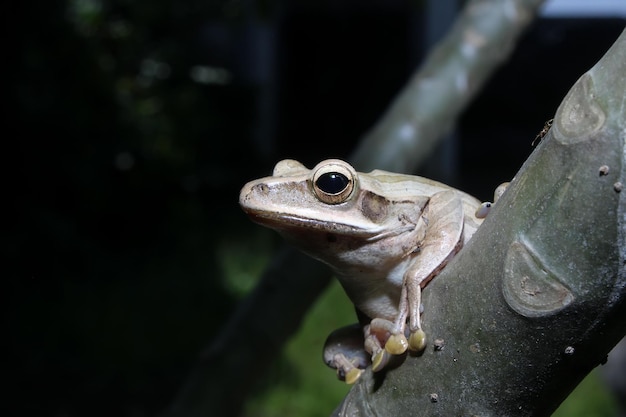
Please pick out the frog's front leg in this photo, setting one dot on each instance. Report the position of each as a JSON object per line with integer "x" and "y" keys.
{"x": 444, "y": 218}
{"x": 384, "y": 337}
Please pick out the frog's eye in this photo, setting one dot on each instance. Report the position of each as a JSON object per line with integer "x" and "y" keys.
{"x": 333, "y": 181}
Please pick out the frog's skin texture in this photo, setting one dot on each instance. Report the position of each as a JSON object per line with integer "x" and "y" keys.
{"x": 385, "y": 235}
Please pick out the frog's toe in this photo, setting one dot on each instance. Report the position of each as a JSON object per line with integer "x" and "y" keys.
{"x": 380, "y": 360}
{"x": 344, "y": 352}
{"x": 347, "y": 368}
{"x": 346, "y": 371}
{"x": 352, "y": 375}
{"x": 483, "y": 210}
{"x": 396, "y": 344}
{"x": 417, "y": 340}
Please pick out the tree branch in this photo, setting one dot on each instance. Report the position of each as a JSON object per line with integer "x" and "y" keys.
{"x": 481, "y": 39}
{"x": 537, "y": 298}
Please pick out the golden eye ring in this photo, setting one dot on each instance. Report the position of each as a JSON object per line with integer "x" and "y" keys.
{"x": 333, "y": 181}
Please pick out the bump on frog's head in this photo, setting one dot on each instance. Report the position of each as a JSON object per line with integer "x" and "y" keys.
{"x": 288, "y": 168}
{"x": 334, "y": 181}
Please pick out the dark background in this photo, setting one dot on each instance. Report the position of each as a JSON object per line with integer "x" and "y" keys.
{"x": 122, "y": 171}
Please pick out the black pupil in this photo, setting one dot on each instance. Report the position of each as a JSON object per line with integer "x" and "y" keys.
{"x": 332, "y": 182}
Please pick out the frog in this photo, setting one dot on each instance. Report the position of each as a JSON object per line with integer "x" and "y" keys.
{"x": 384, "y": 235}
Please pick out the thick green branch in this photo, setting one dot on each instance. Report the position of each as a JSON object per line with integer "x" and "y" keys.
{"x": 538, "y": 296}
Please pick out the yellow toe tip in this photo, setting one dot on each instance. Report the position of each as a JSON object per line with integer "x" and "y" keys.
{"x": 417, "y": 340}
{"x": 353, "y": 375}
{"x": 379, "y": 360}
{"x": 396, "y": 344}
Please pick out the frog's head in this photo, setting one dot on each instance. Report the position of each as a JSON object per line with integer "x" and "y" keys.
{"x": 332, "y": 198}
{"x": 331, "y": 209}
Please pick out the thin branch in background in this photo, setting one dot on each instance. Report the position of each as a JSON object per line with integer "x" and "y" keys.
{"x": 482, "y": 38}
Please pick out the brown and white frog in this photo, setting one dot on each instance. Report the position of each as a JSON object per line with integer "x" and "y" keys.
{"x": 385, "y": 235}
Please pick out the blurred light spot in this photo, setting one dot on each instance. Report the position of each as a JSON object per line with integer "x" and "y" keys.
{"x": 151, "y": 69}
{"x": 209, "y": 75}
{"x": 586, "y": 8}
{"x": 468, "y": 50}
{"x": 461, "y": 82}
{"x": 124, "y": 161}
{"x": 86, "y": 8}
{"x": 406, "y": 132}
{"x": 85, "y": 15}
{"x": 120, "y": 29}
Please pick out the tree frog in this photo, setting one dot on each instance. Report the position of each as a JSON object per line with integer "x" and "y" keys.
{"x": 385, "y": 235}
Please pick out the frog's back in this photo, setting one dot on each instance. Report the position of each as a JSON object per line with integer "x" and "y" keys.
{"x": 398, "y": 185}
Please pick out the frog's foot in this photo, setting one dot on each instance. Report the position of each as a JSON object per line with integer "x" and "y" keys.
{"x": 382, "y": 339}
{"x": 483, "y": 210}
{"x": 344, "y": 352}
{"x": 385, "y": 338}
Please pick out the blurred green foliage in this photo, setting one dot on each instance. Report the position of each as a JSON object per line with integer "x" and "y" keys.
{"x": 589, "y": 399}
{"x": 300, "y": 384}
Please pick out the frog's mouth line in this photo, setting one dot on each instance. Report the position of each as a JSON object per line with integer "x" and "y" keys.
{"x": 290, "y": 223}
